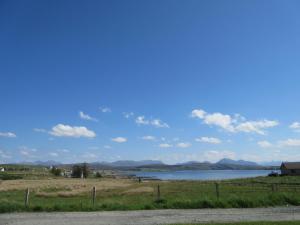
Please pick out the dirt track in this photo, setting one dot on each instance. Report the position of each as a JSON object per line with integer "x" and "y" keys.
{"x": 150, "y": 217}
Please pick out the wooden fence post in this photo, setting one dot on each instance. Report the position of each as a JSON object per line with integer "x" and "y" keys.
{"x": 26, "y": 201}
{"x": 158, "y": 192}
{"x": 217, "y": 190}
{"x": 94, "y": 196}
{"x": 273, "y": 188}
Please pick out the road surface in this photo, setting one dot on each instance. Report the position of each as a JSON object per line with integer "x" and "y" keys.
{"x": 151, "y": 217}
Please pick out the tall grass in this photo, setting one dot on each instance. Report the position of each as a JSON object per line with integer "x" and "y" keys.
{"x": 246, "y": 193}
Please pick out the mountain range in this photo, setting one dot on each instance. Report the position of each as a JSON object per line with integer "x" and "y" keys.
{"x": 223, "y": 164}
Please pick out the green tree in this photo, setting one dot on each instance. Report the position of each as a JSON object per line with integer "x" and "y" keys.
{"x": 79, "y": 170}
{"x": 76, "y": 171}
{"x": 55, "y": 171}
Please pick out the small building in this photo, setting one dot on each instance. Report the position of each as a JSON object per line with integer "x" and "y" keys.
{"x": 290, "y": 168}
{"x": 2, "y": 169}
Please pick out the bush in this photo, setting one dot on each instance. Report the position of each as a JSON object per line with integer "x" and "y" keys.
{"x": 98, "y": 175}
{"x": 56, "y": 171}
{"x": 80, "y": 170}
{"x": 6, "y": 176}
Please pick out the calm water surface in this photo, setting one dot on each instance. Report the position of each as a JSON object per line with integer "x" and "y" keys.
{"x": 202, "y": 174}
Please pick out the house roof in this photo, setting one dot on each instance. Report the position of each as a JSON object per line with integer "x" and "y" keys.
{"x": 291, "y": 165}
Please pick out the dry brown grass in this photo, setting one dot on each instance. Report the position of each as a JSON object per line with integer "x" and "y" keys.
{"x": 139, "y": 190}
{"x": 64, "y": 187}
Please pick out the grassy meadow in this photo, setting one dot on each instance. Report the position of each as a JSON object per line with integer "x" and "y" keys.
{"x": 70, "y": 194}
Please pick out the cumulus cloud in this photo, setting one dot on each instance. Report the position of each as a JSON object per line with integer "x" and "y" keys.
{"x": 165, "y": 145}
{"x": 84, "y": 116}
{"x": 61, "y": 130}
{"x": 295, "y": 126}
{"x": 53, "y": 154}
{"x": 256, "y": 126}
{"x": 141, "y": 120}
{"x": 105, "y": 109}
{"x": 290, "y": 143}
{"x": 214, "y": 156}
{"x": 198, "y": 113}
{"x": 235, "y": 123}
{"x": 127, "y": 115}
{"x": 210, "y": 140}
{"x": 8, "y": 134}
{"x": 183, "y": 145}
{"x": 119, "y": 139}
{"x": 158, "y": 123}
{"x": 264, "y": 144}
{"x": 149, "y": 138}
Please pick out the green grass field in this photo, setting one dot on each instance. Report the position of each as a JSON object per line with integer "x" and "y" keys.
{"x": 66, "y": 194}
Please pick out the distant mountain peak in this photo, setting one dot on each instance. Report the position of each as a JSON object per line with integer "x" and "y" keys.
{"x": 237, "y": 162}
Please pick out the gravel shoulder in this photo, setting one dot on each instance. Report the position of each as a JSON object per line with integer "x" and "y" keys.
{"x": 151, "y": 217}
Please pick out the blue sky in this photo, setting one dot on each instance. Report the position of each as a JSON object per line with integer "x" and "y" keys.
{"x": 168, "y": 80}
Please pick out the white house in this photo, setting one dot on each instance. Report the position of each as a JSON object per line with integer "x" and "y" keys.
{"x": 2, "y": 169}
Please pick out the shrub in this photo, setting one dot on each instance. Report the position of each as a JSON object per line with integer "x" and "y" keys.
{"x": 56, "y": 171}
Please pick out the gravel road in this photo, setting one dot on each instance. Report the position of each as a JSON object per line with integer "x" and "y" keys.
{"x": 151, "y": 217}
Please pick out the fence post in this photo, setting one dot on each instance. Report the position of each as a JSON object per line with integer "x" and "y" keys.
{"x": 158, "y": 192}
{"x": 273, "y": 188}
{"x": 27, "y": 198}
{"x": 217, "y": 190}
{"x": 94, "y": 195}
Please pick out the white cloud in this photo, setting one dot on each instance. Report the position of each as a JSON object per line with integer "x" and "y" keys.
{"x": 159, "y": 123}
{"x": 210, "y": 140}
{"x": 219, "y": 119}
{"x": 53, "y": 154}
{"x": 24, "y": 152}
{"x": 235, "y": 123}
{"x": 295, "y": 126}
{"x": 3, "y": 155}
{"x": 149, "y": 138}
{"x": 8, "y": 134}
{"x": 184, "y": 145}
{"x": 105, "y": 109}
{"x": 256, "y": 126}
{"x": 165, "y": 145}
{"x": 198, "y": 113}
{"x": 290, "y": 143}
{"x": 40, "y": 130}
{"x": 264, "y": 144}
{"x": 141, "y": 120}
{"x": 84, "y": 116}
{"x": 127, "y": 115}
{"x": 214, "y": 156}
{"x": 61, "y": 130}
{"x": 119, "y": 139}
